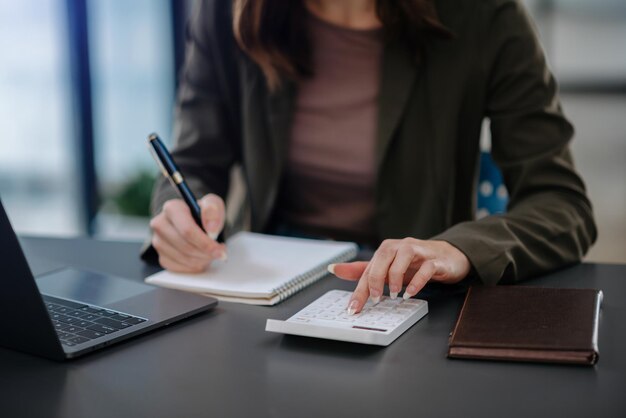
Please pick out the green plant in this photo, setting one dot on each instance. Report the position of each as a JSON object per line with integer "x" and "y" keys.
{"x": 133, "y": 198}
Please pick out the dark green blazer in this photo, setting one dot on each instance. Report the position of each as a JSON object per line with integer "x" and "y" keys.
{"x": 430, "y": 118}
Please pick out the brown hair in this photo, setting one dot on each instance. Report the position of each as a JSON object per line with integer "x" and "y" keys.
{"x": 270, "y": 32}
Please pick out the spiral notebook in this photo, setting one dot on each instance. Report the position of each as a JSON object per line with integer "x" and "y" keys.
{"x": 261, "y": 269}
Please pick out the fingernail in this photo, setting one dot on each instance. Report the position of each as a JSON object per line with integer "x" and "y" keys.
{"x": 219, "y": 255}
{"x": 331, "y": 268}
{"x": 213, "y": 228}
{"x": 211, "y": 206}
{"x": 393, "y": 295}
{"x": 352, "y": 307}
{"x": 409, "y": 292}
{"x": 375, "y": 295}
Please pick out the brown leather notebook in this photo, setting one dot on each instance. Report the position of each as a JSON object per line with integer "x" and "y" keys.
{"x": 520, "y": 323}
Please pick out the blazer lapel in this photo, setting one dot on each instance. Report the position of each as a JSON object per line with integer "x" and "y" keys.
{"x": 398, "y": 74}
{"x": 280, "y": 108}
{"x": 278, "y": 115}
{"x": 266, "y": 124}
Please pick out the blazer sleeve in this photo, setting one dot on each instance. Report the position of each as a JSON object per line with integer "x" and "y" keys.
{"x": 205, "y": 134}
{"x": 206, "y": 138}
{"x": 549, "y": 222}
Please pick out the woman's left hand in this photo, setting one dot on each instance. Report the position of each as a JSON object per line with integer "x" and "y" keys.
{"x": 407, "y": 261}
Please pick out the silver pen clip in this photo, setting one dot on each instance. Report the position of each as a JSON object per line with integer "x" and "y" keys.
{"x": 158, "y": 161}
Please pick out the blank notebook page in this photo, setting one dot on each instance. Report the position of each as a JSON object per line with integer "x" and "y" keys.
{"x": 259, "y": 265}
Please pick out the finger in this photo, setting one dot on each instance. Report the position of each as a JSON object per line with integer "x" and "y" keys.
{"x": 423, "y": 275}
{"x": 179, "y": 215}
{"x": 166, "y": 249}
{"x": 174, "y": 265}
{"x": 168, "y": 234}
{"x": 379, "y": 268}
{"x": 162, "y": 244}
{"x": 213, "y": 214}
{"x": 348, "y": 271}
{"x": 359, "y": 297}
{"x": 398, "y": 268}
{"x": 219, "y": 252}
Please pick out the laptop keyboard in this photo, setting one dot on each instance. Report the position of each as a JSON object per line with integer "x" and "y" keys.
{"x": 77, "y": 323}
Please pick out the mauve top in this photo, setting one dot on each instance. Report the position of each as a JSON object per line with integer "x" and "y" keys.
{"x": 331, "y": 166}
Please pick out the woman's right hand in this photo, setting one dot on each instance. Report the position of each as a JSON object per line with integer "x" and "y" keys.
{"x": 183, "y": 247}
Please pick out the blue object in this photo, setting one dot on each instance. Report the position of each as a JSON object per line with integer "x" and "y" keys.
{"x": 492, "y": 194}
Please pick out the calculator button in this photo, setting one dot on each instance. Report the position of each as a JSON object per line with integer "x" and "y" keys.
{"x": 412, "y": 302}
{"x": 344, "y": 319}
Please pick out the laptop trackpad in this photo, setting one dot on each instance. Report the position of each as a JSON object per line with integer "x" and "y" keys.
{"x": 89, "y": 287}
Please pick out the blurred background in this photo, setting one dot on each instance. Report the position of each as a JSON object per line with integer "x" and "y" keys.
{"x": 83, "y": 82}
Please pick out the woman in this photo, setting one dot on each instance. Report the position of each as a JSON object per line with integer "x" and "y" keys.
{"x": 360, "y": 119}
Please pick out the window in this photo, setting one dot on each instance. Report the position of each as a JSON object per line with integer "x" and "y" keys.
{"x": 132, "y": 70}
{"x": 37, "y": 165}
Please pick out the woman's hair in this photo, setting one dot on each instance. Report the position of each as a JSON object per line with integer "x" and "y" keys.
{"x": 272, "y": 32}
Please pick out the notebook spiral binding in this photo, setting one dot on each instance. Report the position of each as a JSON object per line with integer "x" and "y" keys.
{"x": 300, "y": 282}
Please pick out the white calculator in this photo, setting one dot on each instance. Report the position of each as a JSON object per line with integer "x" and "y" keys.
{"x": 327, "y": 317}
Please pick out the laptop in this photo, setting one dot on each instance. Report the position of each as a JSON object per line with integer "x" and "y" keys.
{"x": 70, "y": 312}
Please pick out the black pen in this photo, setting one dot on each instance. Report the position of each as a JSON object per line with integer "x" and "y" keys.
{"x": 170, "y": 170}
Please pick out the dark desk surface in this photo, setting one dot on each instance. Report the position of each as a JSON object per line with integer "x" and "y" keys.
{"x": 224, "y": 364}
